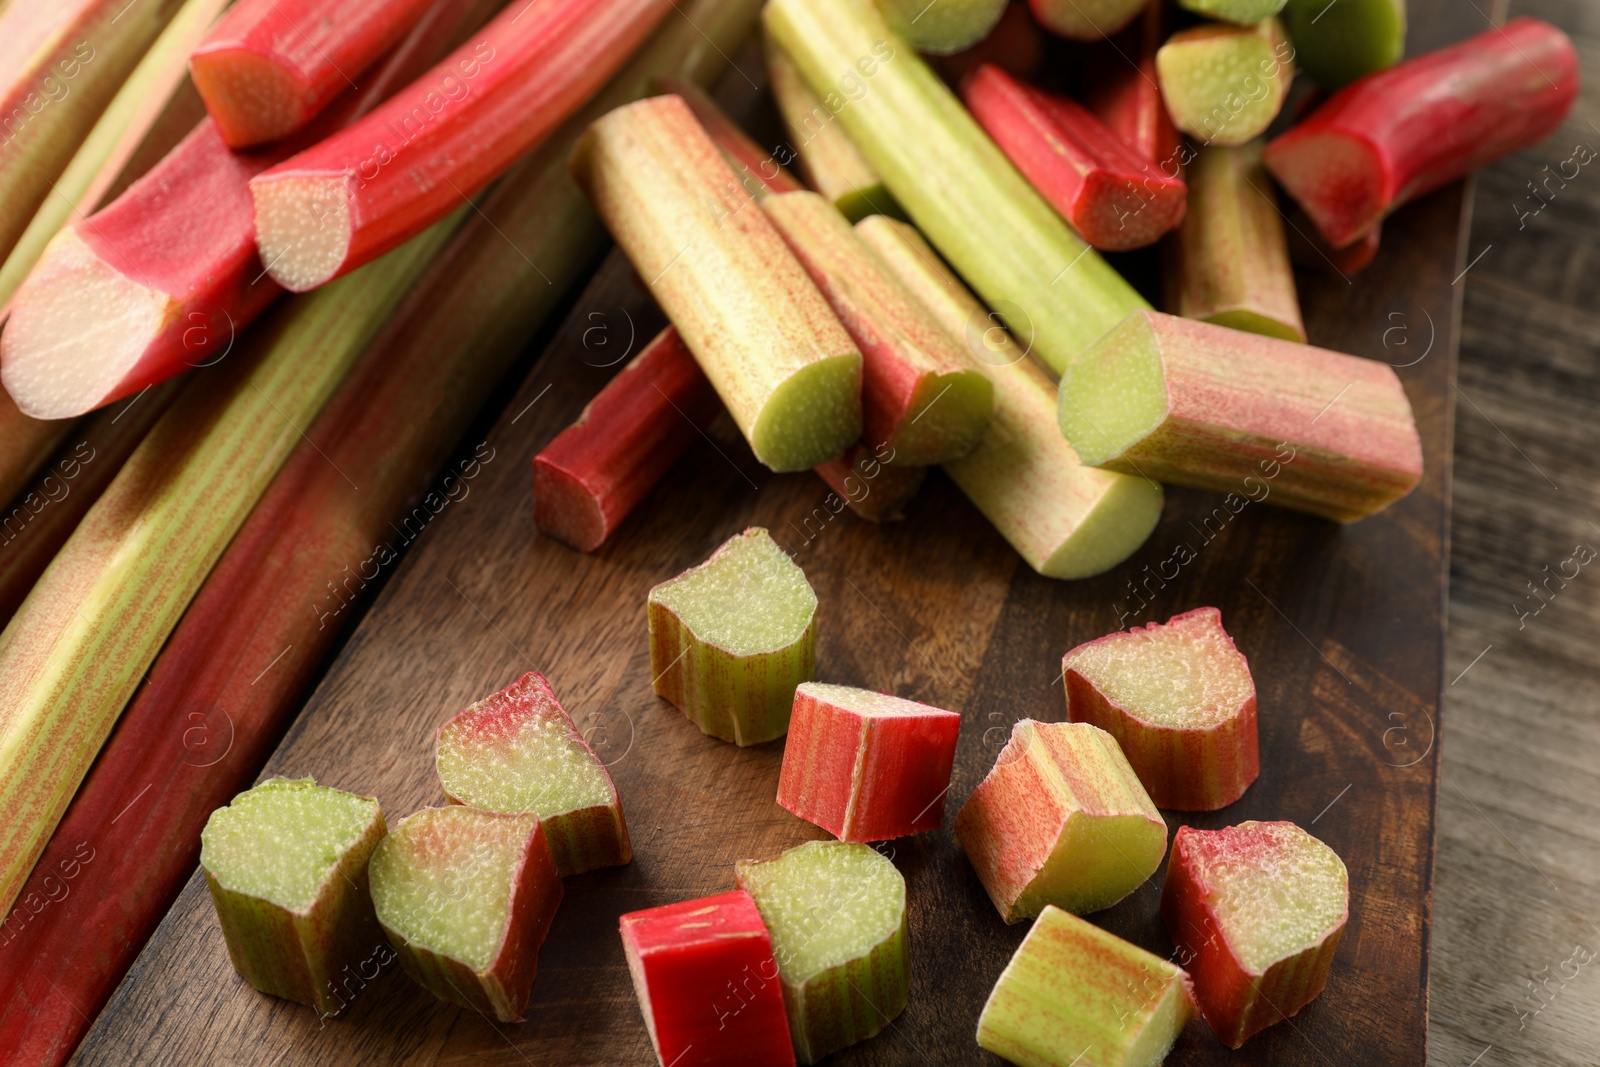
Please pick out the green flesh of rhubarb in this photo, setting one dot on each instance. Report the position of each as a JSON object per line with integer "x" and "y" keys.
{"x": 281, "y": 840}
{"x": 1169, "y": 675}
{"x": 1281, "y": 900}
{"x": 1103, "y": 423}
{"x": 943, "y": 28}
{"x": 837, "y": 915}
{"x": 1238, "y": 12}
{"x": 731, "y": 638}
{"x": 1225, "y": 84}
{"x": 809, "y": 414}
{"x": 1337, "y": 43}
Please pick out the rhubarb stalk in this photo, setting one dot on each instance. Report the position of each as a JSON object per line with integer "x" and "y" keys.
{"x": 269, "y": 66}
{"x": 959, "y": 189}
{"x": 943, "y": 28}
{"x": 1395, "y": 135}
{"x": 1086, "y": 20}
{"x": 1225, "y": 84}
{"x": 874, "y": 490}
{"x": 1122, "y": 88}
{"x": 1335, "y": 44}
{"x": 1064, "y": 519}
{"x": 758, "y": 169}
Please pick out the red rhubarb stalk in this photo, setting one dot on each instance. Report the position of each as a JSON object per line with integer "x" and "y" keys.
{"x": 269, "y": 66}
{"x": 361, "y": 192}
{"x": 1112, "y": 196}
{"x": 1405, "y": 131}
{"x": 1123, "y": 88}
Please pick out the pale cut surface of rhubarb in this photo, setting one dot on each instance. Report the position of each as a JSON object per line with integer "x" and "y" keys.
{"x": 1179, "y": 699}
{"x": 1238, "y": 12}
{"x": 269, "y": 66}
{"x": 837, "y": 915}
{"x": 1064, "y": 519}
{"x": 286, "y": 864}
{"x": 1225, "y": 84}
{"x": 1258, "y": 909}
{"x": 1060, "y": 819}
{"x": 707, "y": 982}
{"x": 788, "y": 373}
{"x": 1337, "y": 45}
{"x": 732, "y": 638}
{"x": 518, "y": 750}
{"x": 867, "y": 766}
{"x": 944, "y": 28}
{"x": 1085, "y": 20}
{"x": 919, "y": 396}
{"x": 1195, "y": 404}
{"x": 1229, "y": 263}
{"x": 1074, "y": 995}
{"x": 466, "y": 897}
{"x": 873, "y": 489}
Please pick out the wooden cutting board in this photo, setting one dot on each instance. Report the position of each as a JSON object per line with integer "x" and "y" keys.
{"x": 1343, "y": 627}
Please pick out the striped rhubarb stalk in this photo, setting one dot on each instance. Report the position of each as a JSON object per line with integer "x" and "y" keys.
{"x": 786, "y": 370}
{"x": 758, "y": 169}
{"x": 354, "y": 196}
{"x": 1121, "y": 87}
{"x": 957, "y": 186}
{"x": 269, "y": 66}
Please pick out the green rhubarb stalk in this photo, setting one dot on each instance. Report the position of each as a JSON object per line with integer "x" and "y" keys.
{"x": 81, "y": 642}
{"x": 1229, "y": 261}
{"x": 956, "y": 185}
{"x": 942, "y": 28}
{"x": 1064, "y": 519}
{"x": 1337, "y": 43}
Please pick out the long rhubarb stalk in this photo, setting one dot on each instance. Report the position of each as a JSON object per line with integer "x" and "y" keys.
{"x": 1395, "y": 135}
{"x": 959, "y": 188}
{"x": 359, "y": 193}
{"x": 758, "y": 170}
{"x": 389, "y": 428}
{"x": 24, "y": 444}
{"x": 1121, "y": 86}
{"x": 270, "y": 66}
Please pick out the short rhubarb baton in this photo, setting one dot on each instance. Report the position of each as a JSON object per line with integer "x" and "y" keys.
{"x": 707, "y": 983}
{"x": 1179, "y": 699}
{"x": 1061, "y": 819}
{"x": 1257, "y": 909}
{"x": 873, "y": 489}
{"x": 1337, "y": 43}
{"x": 837, "y": 915}
{"x": 867, "y": 766}
{"x": 1195, "y": 404}
{"x": 466, "y": 897}
{"x": 1225, "y": 84}
{"x": 1085, "y": 20}
{"x": 1395, "y": 135}
{"x": 731, "y": 638}
{"x": 786, "y": 370}
{"x": 286, "y": 864}
{"x": 1074, "y": 995}
{"x": 944, "y": 28}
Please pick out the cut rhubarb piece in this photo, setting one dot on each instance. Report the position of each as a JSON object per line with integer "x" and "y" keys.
{"x": 1086, "y": 20}
{"x": 874, "y": 490}
{"x": 1395, "y": 135}
{"x": 1064, "y": 519}
{"x": 1194, "y": 404}
{"x": 419, "y": 155}
{"x": 1112, "y": 197}
{"x": 1179, "y": 699}
{"x": 867, "y": 766}
{"x": 707, "y": 983}
{"x": 837, "y": 915}
{"x": 920, "y": 398}
{"x": 1061, "y": 819}
{"x": 944, "y": 28}
{"x": 269, "y": 66}
{"x": 466, "y": 897}
{"x": 732, "y": 638}
{"x": 1122, "y": 87}
{"x": 286, "y": 864}
{"x": 1225, "y": 84}
{"x": 1229, "y": 263}
{"x": 757, "y": 168}
{"x": 1238, "y": 12}
{"x": 1074, "y": 995}
{"x": 1335, "y": 44}
{"x": 786, "y": 370}
{"x": 587, "y": 480}
{"x": 956, "y": 185}
{"x": 1257, "y": 909}
{"x": 830, "y": 162}
{"x": 518, "y": 751}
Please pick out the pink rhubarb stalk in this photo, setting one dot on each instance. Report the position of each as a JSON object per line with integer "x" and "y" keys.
{"x": 1123, "y": 88}
{"x": 269, "y": 66}
{"x": 1112, "y": 196}
{"x": 1405, "y": 131}
{"x": 455, "y": 129}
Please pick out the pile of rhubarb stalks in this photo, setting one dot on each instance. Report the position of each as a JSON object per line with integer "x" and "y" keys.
{"x": 262, "y": 263}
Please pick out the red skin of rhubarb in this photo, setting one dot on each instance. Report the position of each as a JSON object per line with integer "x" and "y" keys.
{"x": 1112, "y": 196}
{"x": 875, "y": 490}
{"x": 1235, "y": 1002}
{"x": 1187, "y": 769}
{"x": 1124, "y": 91}
{"x": 269, "y": 66}
{"x": 411, "y": 161}
{"x": 708, "y": 983}
{"x": 587, "y": 480}
{"x": 1405, "y": 131}
{"x": 867, "y": 778}
{"x": 752, "y": 161}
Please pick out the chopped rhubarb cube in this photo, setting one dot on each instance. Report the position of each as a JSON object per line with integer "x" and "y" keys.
{"x": 1179, "y": 699}
{"x": 1061, "y": 819}
{"x": 867, "y": 766}
{"x": 707, "y": 983}
{"x": 1256, "y": 911}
